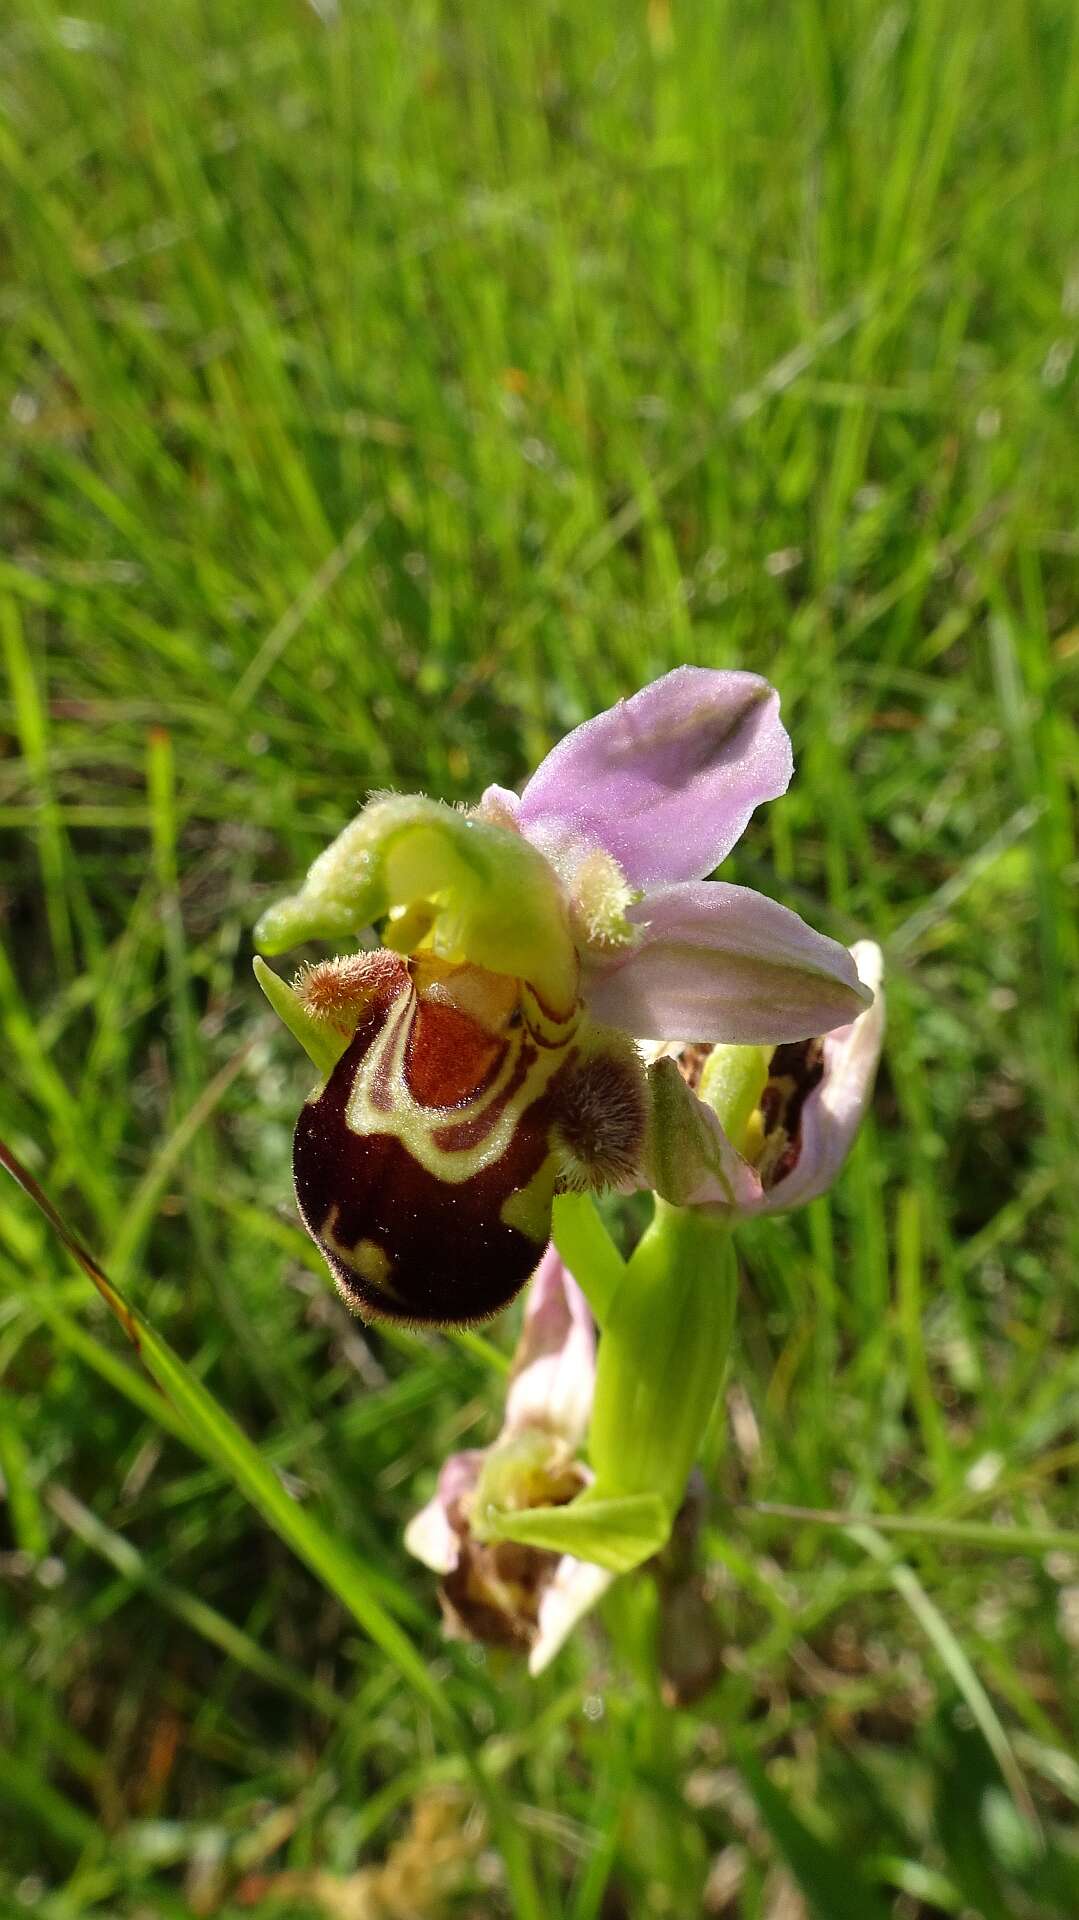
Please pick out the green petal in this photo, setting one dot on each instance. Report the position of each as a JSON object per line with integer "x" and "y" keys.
{"x": 469, "y": 890}
{"x": 663, "y": 1356}
{"x": 616, "y": 1533}
{"x": 322, "y": 1045}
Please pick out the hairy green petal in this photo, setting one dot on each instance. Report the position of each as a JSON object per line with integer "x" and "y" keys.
{"x": 464, "y": 888}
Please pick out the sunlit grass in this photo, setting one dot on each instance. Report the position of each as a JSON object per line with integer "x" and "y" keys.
{"x": 385, "y": 393}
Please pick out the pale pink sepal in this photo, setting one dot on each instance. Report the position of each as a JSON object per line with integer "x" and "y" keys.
{"x": 665, "y": 781}
{"x": 551, "y": 1388}
{"x": 430, "y": 1536}
{"x": 723, "y": 963}
{"x": 576, "y": 1587}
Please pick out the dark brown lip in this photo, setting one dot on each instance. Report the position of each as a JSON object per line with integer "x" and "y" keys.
{"x": 401, "y": 1243}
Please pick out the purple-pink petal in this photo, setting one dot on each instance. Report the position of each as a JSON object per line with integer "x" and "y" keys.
{"x": 665, "y": 781}
{"x": 834, "y": 1110}
{"x": 499, "y": 805}
{"x": 431, "y": 1534}
{"x": 722, "y": 963}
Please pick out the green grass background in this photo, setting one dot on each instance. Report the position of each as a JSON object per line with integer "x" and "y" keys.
{"x": 385, "y": 390}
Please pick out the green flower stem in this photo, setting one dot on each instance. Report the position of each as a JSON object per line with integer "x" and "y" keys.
{"x": 588, "y": 1251}
{"x": 663, "y": 1356}
{"x": 666, "y": 1334}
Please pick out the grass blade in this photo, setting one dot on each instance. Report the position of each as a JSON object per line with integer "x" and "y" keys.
{"x": 830, "y": 1880}
{"x": 224, "y": 1442}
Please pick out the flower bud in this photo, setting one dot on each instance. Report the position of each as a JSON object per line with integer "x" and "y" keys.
{"x": 508, "y": 1593}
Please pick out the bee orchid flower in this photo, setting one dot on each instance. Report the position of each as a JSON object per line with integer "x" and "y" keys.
{"x": 511, "y": 1595}
{"x": 483, "y": 1055}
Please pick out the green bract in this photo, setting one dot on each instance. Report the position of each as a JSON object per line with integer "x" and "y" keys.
{"x": 684, "y": 1148}
{"x": 661, "y": 1365}
{"x": 617, "y": 1534}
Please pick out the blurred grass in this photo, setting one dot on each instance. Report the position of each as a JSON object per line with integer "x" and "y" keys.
{"x": 387, "y": 390}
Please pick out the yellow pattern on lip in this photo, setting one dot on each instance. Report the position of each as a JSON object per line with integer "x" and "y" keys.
{"x": 367, "y": 1259}
{"x": 453, "y": 1144}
